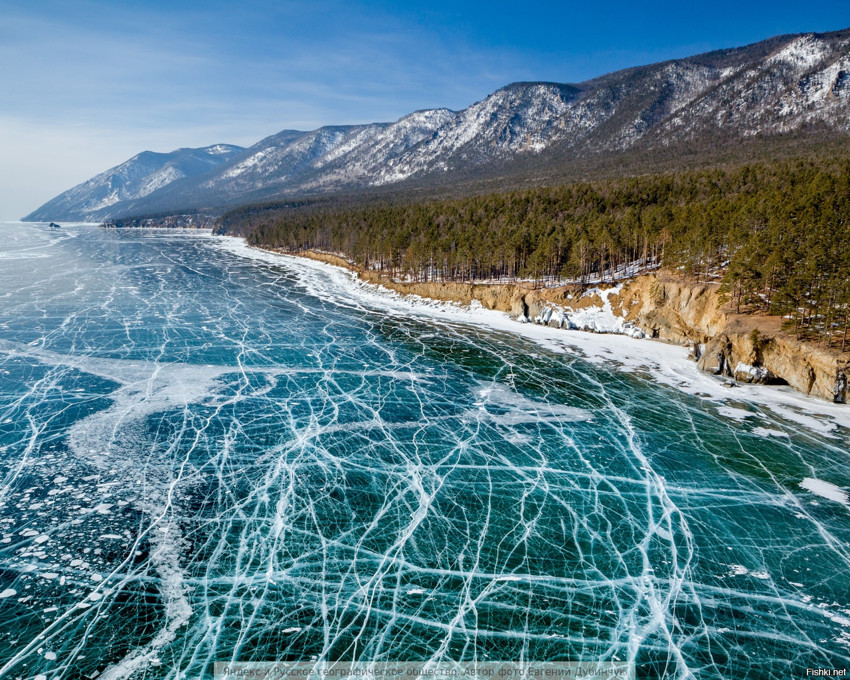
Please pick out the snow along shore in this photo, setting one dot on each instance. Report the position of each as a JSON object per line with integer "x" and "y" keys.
{"x": 595, "y": 319}
{"x": 615, "y": 347}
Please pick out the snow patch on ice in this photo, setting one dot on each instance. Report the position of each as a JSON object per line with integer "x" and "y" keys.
{"x": 767, "y": 432}
{"x": 735, "y": 413}
{"x": 826, "y": 490}
{"x": 510, "y": 408}
{"x": 811, "y": 422}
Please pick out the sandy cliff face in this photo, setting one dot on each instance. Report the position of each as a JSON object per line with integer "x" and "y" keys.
{"x": 675, "y": 311}
{"x": 724, "y": 343}
{"x": 748, "y": 348}
{"x": 779, "y": 358}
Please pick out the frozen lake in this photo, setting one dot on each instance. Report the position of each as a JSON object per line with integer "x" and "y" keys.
{"x": 210, "y": 457}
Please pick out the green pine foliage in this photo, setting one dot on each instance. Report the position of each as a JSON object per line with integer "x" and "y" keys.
{"x": 775, "y": 236}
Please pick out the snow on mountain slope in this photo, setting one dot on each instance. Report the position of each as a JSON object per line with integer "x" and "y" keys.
{"x": 134, "y": 179}
{"x": 804, "y": 82}
{"x": 516, "y": 118}
{"x": 778, "y": 86}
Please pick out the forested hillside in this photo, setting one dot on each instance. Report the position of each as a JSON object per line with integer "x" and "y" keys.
{"x": 776, "y": 234}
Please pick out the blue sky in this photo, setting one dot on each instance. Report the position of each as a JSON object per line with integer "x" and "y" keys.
{"x": 87, "y": 84}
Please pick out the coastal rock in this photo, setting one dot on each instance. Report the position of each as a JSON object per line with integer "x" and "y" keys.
{"x": 519, "y": 308}
{"x": 674, "y": 311}
{"x": 839, "y": 389}
{"x": 718, "y": 366}
{"x": 752, "y": 374}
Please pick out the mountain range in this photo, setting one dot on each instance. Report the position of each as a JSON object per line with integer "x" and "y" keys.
{"x": 781, "y": 87}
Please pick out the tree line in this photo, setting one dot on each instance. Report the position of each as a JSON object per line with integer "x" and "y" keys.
{"x": 774, "y": 235}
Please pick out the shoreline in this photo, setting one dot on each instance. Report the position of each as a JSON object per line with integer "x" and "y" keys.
{"x": 744, "y": 348}
{"x": 668, "y": 364}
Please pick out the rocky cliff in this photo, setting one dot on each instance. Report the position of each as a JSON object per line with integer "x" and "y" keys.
{"x": 748, "y": 348}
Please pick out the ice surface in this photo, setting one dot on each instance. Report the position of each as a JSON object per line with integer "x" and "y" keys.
{"x": 259, "y": 458}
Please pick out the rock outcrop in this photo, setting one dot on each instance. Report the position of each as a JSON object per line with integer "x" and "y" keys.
{"x": 778, "y": 359}
{"x": 746, "y": 347}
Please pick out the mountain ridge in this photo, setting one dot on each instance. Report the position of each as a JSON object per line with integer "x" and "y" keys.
{"x": 784, "y": 85}
{"x": 135, "y": 178}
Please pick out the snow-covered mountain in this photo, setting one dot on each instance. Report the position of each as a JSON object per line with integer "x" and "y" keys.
{"x": 776, "y": 87}
{"x": 106, "y": 194}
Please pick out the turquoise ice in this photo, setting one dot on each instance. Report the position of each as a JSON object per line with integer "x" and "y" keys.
{"x": 206, "y": 457}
